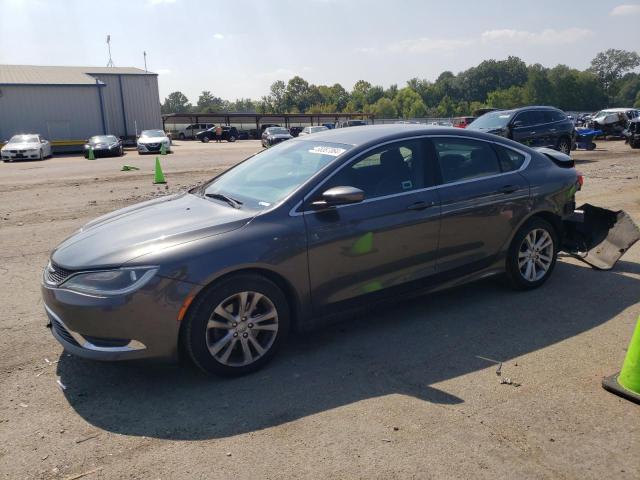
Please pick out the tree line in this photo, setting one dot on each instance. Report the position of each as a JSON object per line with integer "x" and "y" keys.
{"x": 610, "y": 81}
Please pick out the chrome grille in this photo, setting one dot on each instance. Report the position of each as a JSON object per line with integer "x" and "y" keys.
{"x": 55, "y": 274}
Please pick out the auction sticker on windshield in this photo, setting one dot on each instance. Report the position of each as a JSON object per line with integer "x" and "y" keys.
{"x": 332, "y": 151}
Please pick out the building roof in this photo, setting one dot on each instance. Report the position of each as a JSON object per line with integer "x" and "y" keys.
{"x": 49, "y": 75}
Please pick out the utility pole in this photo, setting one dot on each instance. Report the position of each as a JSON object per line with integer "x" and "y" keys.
{"x": 145, "y": 60}
{"x": 110, "y": 62}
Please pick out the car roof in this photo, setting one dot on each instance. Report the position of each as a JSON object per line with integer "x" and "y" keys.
{"x": 364, "y": 135}
{"x": 616, "y": 110}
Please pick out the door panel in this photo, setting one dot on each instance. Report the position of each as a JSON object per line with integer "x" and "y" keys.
{"x": 388, "y": 239}
{"x": 481, "y": 201}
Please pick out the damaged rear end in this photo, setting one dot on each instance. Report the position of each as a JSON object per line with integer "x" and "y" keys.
{"x": 595, "y": 235}
{"x": 599, "y": 237}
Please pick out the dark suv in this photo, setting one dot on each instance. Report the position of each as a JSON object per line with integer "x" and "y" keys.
{"x": 532, "y": 126}
{"x": 230, "y": 134}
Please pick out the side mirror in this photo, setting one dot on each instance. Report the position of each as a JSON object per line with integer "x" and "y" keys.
{"x": 339, "y": 196}
{"x": 517, "y": 124}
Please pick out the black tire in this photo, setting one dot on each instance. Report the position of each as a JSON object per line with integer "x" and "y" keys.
{"x": 564, "y": 145}
{"x": 231, "y": 139}
{"x": 181, "y": 136}
{"x": 634, "y": 143}
{"x": 196, "y": 335}
{"x": 41, "y": 155}
{"x": 205, "y": 139}
{"x": 591, "y": 146}
{"x": 515, "y": 277}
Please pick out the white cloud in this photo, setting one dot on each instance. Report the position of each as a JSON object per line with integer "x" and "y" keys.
{"x": 427, "y": 45}
{"x": 218, "y": 36}
{"x": 544, "y": 37}
{"x": 625, "y": 9}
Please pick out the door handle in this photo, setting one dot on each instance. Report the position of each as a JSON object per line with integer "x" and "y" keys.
{"x": 420, "y": 205}
{"x": 508, "y": 189}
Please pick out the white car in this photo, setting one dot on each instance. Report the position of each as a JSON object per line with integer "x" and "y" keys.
{"x": 314, "y": 129}
{"x": 28, "y": 146}
{"x": 190, "y": 130}
{"x": 151, "y": 141}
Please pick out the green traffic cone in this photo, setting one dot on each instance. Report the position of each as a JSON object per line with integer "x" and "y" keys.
{"x": 92, "y": 156}
{"x": 627, "y": 382}
{"x": 127, "y": 168}
{"x": 163, "y": 149}
{"x": 159, "y": 176}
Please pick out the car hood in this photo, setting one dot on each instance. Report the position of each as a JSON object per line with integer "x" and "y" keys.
{"x": 123, "y": 235}
{"x": 22, "y": 146}
{"x": 152, "y": 139}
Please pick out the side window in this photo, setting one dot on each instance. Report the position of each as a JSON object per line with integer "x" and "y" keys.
{"x": 557, "y": 116}
{"x": 525, "y": 118}
{"x": 463, "y": 159}
{"x": 394, "y": 168}
{"x": 510, "y": 160}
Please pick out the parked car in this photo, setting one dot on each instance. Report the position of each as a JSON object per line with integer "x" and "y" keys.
{"x": 104, "y": 146}
{"x": 298, "y": 232}
{"x": 230, "y": 134}
{"x": 313, "y": 129}
{"x": 151, "y": 141}
{"x": 190, "y": 131}
{"x": 462, "y": 122}
{"x": 351, "y": 123}
{"x": 26, "y": 146}
{"x": 532, "y": 126}
{"x": 612, "y": 121}
{"x": 274, "y": 135}
{"x": 295, "y": 131}
{"x": 632, "y": 133}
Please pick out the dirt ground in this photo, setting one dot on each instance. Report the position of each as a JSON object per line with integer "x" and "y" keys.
{"x": 409, "y": 391}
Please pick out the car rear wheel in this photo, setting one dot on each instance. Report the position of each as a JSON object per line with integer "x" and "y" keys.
{"x": 181, "y": 136}
{"x": 532, "y": 254}
{"x": 231, "y": 139}
{"x": 564, "y": 145}
{"x": 205, "y": 139}
{"x": 236, "y": 326}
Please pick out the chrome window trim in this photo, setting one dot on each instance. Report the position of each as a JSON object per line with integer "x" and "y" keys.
{"x": 525, "y": 164}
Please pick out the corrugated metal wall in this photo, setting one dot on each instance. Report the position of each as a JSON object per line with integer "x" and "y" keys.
{"x": 57, "y": 112}
{"x": 141, "y": 103}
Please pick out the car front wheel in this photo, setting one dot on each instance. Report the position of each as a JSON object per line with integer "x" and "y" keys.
{"x": 564, "y": 145}
{"x": 205, "y": 139}
{"x": 231, "y": 139}
{"x": 532, "y": 254}
{"x": 236, "y": 326}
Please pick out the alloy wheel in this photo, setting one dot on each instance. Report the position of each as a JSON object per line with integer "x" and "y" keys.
{"x": 242, "y": 328}
{"x": 535, "y": 255}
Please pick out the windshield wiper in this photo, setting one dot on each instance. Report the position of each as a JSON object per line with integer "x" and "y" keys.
{"x": 219, "y": 196}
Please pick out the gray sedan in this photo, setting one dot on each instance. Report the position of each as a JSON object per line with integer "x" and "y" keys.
{"x": 301, "y": 231}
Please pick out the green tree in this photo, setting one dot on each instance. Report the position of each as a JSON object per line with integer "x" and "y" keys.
{"x": 297, "y": 95}
{"x": 384, "y": 108}
{"x": 609, "y": 66}
{"x": 208, "y": 103}
{"x": 409, "y": 104}
{"x": 176, "y": 102}
{"x": 512, "y": 97}
{"x": 538, "y": 89}
{"x": 628, "y": 87}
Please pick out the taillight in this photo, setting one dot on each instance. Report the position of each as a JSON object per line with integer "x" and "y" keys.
{"x": 580, "y": 180}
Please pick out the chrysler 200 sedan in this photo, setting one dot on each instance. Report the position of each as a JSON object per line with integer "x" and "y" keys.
{"x": 301, "y": 231}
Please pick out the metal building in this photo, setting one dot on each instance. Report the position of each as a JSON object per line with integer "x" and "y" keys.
{"x": 69, "y": 104}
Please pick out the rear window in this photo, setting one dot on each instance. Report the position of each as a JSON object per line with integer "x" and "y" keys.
{"x": 510, "y": 160}
{"x": 464, "y": 159}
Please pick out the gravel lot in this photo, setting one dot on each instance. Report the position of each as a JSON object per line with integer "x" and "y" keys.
{"x": 409, "y": 391}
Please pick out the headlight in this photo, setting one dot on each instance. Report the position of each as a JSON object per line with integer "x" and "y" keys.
{"x": 110, "y": 282}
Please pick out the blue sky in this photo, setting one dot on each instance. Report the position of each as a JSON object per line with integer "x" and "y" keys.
{"x": 238, "y": 48}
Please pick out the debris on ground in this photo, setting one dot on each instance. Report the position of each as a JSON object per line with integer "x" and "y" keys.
{"x": 84, "y": 474}
{"x": 508, "y": 381}
{"x": 88, "y": 437}
{"x": 499, "y": 369}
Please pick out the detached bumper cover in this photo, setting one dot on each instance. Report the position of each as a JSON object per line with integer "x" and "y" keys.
{"x": 599, "y": 237}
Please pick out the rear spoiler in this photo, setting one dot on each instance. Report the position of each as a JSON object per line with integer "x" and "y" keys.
{"x": 560, "y": 159}
{"x": 599, "y": 237}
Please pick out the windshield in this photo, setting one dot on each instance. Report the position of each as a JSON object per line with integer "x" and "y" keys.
{"x": 317, "y": 129}
{"x": 103, "y": 139}
{"x": 270, "y": 176}
{"x": 492, "y": 120}
{"x": 277, "y": 130}
{"x": 152, "y": 133}
{"x": 24, "y": 139}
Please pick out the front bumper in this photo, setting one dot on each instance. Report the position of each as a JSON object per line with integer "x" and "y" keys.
{"x": 151, "y": 148}
{"x": 103, "y": 152}
{"x": 143, "y": 324}
{"x": 20, "y": 154}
